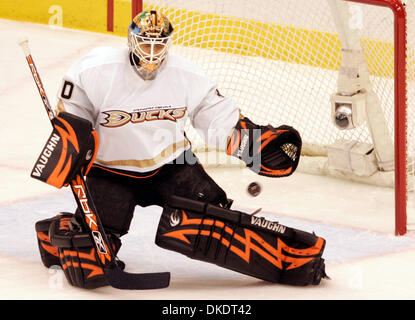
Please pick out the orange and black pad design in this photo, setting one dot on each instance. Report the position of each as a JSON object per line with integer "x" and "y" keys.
{"x": 81, "y": 268}
{"x": 71, "y": 148}
{"x": 243, "y": 243}
{"x": 80, "y": 263}
{"x": 62, "y": 243}
{"x": 76, "y": 252}
{"x": 268, "y": 151}
{"x": 48, "y": 253}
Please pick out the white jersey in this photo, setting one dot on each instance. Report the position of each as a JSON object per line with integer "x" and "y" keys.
{"x": 141, "y": 123}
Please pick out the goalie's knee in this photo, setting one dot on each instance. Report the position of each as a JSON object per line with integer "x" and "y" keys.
{"x": 63, "y": 242}
{"x": 241, "y": 242}
{"x": 48, "y": 253}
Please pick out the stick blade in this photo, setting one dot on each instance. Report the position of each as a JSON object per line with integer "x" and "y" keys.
{"x": 119, "y": 279}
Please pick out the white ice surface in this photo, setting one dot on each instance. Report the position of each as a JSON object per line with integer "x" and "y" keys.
{"x": 364, "y": 259}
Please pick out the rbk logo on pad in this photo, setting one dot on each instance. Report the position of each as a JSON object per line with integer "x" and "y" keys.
{"x": 119, "y": 118}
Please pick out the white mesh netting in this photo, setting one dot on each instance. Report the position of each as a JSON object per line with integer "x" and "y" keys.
{"x": 279, "y": 60}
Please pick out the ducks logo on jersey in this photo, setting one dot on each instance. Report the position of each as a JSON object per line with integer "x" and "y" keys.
{"x": 118, "y": 118}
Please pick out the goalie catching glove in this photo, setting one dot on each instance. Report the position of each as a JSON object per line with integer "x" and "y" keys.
{"x": 268, "y": 151}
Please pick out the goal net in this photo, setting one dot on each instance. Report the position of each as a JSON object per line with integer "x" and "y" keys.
{"x": 341, "y": 72}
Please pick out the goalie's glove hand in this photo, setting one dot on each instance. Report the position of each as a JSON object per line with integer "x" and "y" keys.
{"x": 268, "y": 151}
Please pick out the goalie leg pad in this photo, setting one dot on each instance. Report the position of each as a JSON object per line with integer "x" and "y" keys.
{"x": 48, "y": 253}
{"x": 63, "y": 242}
{"x": 241, "y": 242}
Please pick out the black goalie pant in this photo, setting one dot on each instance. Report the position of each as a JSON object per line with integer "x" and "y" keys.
{"x": 116, "y": 194}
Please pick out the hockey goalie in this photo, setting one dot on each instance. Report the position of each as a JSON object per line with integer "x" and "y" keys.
{"x": 114, "y": 106}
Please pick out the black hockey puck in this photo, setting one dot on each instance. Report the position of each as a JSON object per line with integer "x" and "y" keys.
{"x": 254, "y": 189}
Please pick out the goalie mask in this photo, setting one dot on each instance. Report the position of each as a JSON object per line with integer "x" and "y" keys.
{"x": 149, "y": 38}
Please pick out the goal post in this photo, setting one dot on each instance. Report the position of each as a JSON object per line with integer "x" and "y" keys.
{"x": 400, "y": 108}
{"x": 136, "y": 7}
{"x": 342, "y": 72}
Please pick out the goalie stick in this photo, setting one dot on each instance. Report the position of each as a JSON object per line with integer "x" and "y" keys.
{"x": 114, "y": 275}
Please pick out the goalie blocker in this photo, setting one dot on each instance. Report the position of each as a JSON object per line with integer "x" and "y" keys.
{"x": 238, "y": 241}
{"x": 71, "y": 148}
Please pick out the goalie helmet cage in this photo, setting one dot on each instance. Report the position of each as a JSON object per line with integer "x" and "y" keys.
{"x": 282, "y": 60}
